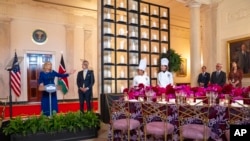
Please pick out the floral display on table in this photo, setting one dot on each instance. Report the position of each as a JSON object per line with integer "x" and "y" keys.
{"x": 170, "y": 92}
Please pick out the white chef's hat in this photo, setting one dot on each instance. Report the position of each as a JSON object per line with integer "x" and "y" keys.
{"x": 164, "y": 61}
{"x": 143, "y": 64}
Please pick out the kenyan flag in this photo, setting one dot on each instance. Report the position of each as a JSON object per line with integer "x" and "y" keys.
{"x": 63, "y": 82}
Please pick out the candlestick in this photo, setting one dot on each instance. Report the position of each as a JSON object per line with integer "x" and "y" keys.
{"x": 108, "y": 30}
{"x": 121, "y": 18}
{"x": 144, "y": 22}
{"x": 109, "y": 59}
{"x": 109, "y": 73}
{"x": 108, "y": 16}
{"x": 122, "y": 88}
{"x": 108, "y": 89}
{"x": 155, "y": 12}
{"x": 133, "y": 46}
{"x": 145, "y": 9}
{"x": 134, "y": 60}
{"x": 145, "y": 34}
{"x": 133, "y": 34}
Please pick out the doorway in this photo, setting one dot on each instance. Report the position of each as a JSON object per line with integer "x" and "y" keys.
{"x": 34, "y": 67}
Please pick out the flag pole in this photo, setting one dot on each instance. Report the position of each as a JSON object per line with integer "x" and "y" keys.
{"x": 10, "y": 96}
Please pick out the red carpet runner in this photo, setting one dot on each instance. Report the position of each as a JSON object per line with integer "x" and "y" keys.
{"x": 35, "y": 108}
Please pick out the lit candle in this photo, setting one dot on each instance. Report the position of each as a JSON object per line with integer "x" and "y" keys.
{"x": 133, "y": 46}
{"x": 154, "y": 37}
{"x": 155, "y": 49}
{"x": 144, "y": 22}
{"x": 164, "y": 38}
{"x": 121, "y": 18}
{"x": 108, "y": 44}
{"x": 155, "y": 12}
{"x": 109, "y": 73}
{"x": 164, "y": 26}
{"x": 155, "y": 61}
{"x": 109, "y": 59}
{"x": 122, "y": 88}
{"x": 122, "y": 74}
{"x": 108, "y": 30}
{"x": 133, "y": 34}
{"x": 145, "y": 34}
{"x": 134, "y": 60}
{"x": 144, "y": 47}
{"x": 155, "y": 74}
{"x": 122, "y": 44}
{"x": 164, "y": 14}
{"x": 108, "y": 2}
{"x": 133, "y": 7}
{"x": 145, "y": 9}
{"x": 154, "y": 24}
{"x": 108, "y": 89}
{"x": 108, "y": 16}
{"x": 122, "y": 59}
{"x": 133, "y": 20}
{"x": 164, "y": 50}
{"x": 121, "y": 4}
{"x": 121, "y": 31}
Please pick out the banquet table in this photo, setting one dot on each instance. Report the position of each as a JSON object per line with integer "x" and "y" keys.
{"x": 218, "y": 120}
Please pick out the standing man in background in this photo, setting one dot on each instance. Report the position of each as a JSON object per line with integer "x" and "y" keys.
{"x": 204, "y": 77}
{"x": 85, "y": 81}
{"x": 218, "y": 76}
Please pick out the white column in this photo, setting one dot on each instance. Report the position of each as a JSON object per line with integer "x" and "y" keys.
{"x": 195, "y": 42}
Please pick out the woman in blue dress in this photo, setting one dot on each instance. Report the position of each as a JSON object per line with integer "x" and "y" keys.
{"x": 46, "y": 77}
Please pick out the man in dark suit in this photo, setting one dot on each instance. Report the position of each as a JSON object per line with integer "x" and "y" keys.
{"x": 85, "y": 81}
{"x": 218, "y": 76}
{"x": 204, "y": 77}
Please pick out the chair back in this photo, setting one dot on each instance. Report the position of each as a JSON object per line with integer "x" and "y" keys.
{"x": 117, "y": 106}
{"x": 154, "y": 111}
{"x": 239, "y": 113}
{"x": 3, "y": 103}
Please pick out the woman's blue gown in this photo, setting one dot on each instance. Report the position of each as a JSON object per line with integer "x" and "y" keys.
{"x": 48, "y": 78}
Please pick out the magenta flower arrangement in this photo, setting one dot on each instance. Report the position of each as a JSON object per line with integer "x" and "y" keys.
{"x": 170, "y": 91}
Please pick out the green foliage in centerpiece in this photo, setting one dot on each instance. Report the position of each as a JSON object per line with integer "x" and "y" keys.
{"x": 58, "y": 122}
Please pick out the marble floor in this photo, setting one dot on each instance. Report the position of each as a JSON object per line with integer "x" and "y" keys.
{"x": 102, "y": 133}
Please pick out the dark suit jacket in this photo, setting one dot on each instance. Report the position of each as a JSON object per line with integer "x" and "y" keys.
{"x": 88, "y": 81}
{"x": 220, "y": 80}
{"x": 204, "y": 78}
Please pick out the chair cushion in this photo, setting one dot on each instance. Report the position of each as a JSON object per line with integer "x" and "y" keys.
{"x": 195, "y": 131}
{"x": 122, "y": 124}
{"x": 157, "y": 128}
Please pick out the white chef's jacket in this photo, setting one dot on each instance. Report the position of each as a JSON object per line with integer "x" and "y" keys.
{"x": 141, "y": 79}
{"x": 164, "y": 79}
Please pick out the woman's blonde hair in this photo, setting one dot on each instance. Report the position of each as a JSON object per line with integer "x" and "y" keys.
{"x": 46, "y": 64}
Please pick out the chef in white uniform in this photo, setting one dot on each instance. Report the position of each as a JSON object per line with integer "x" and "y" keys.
{"x": 164, "y": 77}
{"x": 141, "y": 77}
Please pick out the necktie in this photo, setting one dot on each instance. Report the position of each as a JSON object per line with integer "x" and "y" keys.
{"x": 217, "y": 74}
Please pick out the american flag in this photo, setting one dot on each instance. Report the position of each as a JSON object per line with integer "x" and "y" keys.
{"x": 16, "y": 77}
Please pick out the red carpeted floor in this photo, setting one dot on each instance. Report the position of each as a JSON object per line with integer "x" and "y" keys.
{"x": 35, "y": 108}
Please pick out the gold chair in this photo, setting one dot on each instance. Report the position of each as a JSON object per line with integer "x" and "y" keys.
{"x": 155, "y": 120}
{"x": 239, "y": 113}
{"x": 3, "y": 103}
{"x": 193, "y": 121}
{"x": 118, "y": 108}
